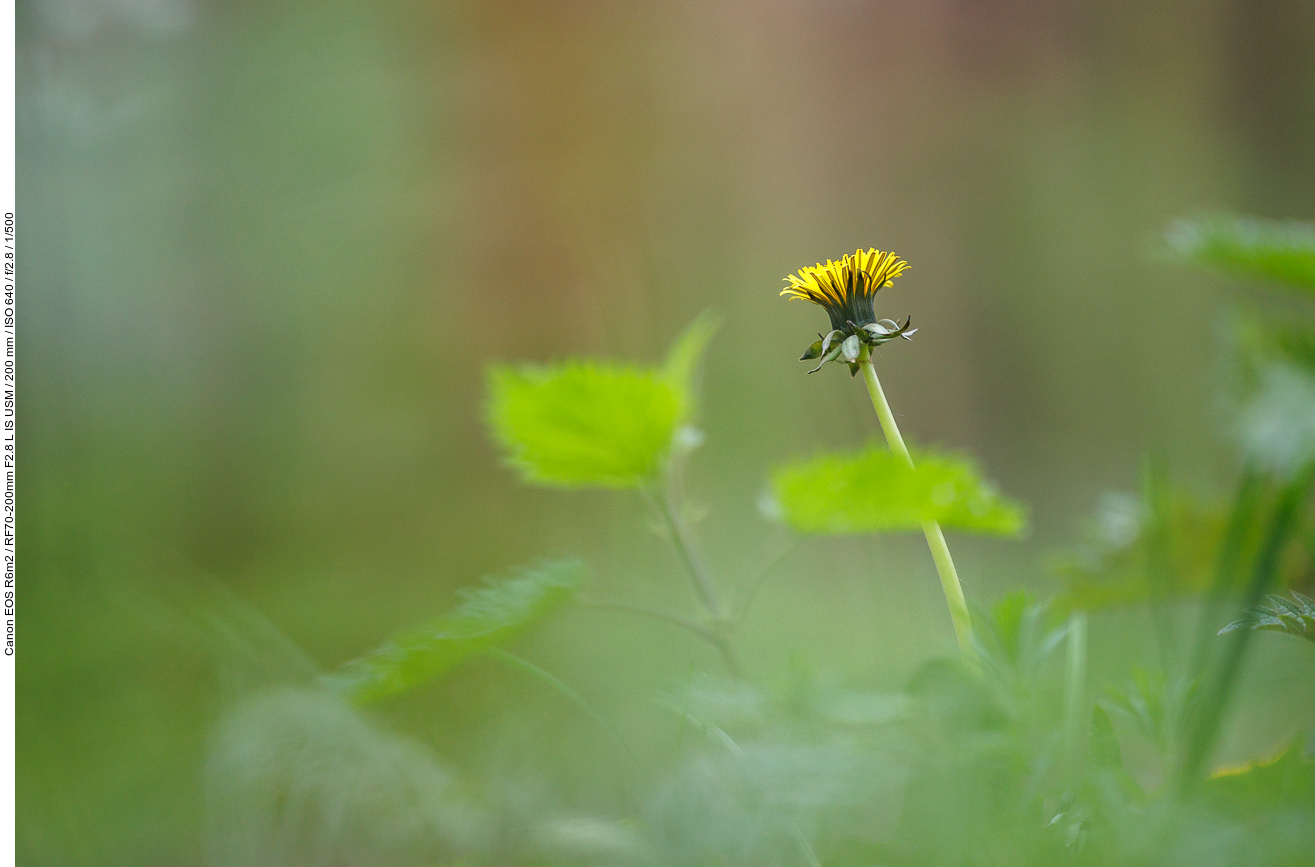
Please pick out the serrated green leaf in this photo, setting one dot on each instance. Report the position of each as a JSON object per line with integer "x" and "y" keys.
{"x": 1248, "y": 246}
{"x": 596, "y": 423}
{"x": 1293, "y": 618}
{"x": 584, "y": 424}
{"x": 873, "y": 491}
{"x": 1307, "y": 604}
{"x": 488, "y": 616}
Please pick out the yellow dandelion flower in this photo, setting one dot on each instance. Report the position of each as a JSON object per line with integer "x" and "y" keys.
{"x": 846, "y": 290}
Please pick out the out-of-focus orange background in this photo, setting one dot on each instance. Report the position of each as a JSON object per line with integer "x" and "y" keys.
{"x": 269, "y": 248}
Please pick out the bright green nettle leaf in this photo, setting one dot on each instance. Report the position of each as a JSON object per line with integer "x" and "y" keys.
{"x": 873, "y": 491}
{"x": 595, "y": 423}
{"x": 489, "y": 616}
{"x": 1250, "y": 247}
{"x": 584, "y": 424}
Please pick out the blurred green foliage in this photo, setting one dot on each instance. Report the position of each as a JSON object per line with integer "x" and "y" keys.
{"x": 487, "y": 617}
{"x": 1248, "y": 247}
{"x": 269, "y": 250}
{"x": 873, "y": 491}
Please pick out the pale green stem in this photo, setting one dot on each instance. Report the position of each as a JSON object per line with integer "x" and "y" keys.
{"x": 940, "y": 552}
{"x": 1075, "y": 687}
{"x": 681, "y": 539}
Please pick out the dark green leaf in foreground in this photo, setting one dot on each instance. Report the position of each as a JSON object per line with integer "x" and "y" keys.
{"x": 584, "y": 424}
{"x": 1249, "y": 247}
{"x": 1295, "y": 616}
{"x": 488, "y": 616}
{"x": 873, "y": 491}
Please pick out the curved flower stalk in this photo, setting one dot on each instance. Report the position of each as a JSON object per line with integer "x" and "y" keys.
{"x": 847, "y": 290}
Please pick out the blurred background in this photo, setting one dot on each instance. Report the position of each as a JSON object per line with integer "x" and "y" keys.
{"x": 268, "y": 250}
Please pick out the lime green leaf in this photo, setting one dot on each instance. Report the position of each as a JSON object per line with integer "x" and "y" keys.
{"x": 597, "y": 424}
{"x": 584, "y": 424}
{"x": 488, "y": 616}
{"x": 682, "y": 362}
{"x": 1249, "y": 247}
{"x": 873, "y": 491}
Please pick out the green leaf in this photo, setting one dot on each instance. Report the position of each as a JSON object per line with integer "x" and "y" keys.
{"x": 1250, "y": 247}
{"x": 584, "y": 424}
{"x": 595, "y": 423}
{"x": 1158, "y": 707}
{"x": 873, "y": 491}
{"x": 1104, "y": 748}
{"x": 1015, "y": 640}
{"x": 1284, "y": 615}
{"x": 683, "y": 358}
{"x": 488, "y": 616}
{"x": 1256, "y": 788}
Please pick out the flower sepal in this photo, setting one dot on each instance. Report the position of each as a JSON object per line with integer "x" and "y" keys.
{"x": 886, "y": 330}
{"x": 847, "y": 345}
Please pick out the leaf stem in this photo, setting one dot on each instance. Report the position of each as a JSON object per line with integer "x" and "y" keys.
{"x": 679, "y": 532}
{"x": 681, "y": 539}
{"x": 940, "y": 551}
{"x": 524, "y": 665}
{"x": 657, "y": 614}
